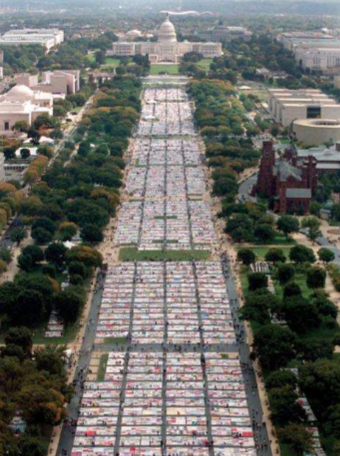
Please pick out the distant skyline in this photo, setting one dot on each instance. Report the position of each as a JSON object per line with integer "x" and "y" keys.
{"x": 224, "y": 7}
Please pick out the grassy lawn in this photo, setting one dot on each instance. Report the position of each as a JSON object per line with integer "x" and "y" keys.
{"x": 260, "y": 251}
{"x": 170, "y": 69}
{"x": 205, "y": 64}
{"x": 70, "y": 334}
{"x": 115, "y": 340}
{"x": 91, "y": 57}
{"x": 102, "y": 367}
{"x": 279, "y": 240}
{"x": 110, "y": 63}
{"x": 36, "y": 272}
{"x": 133, "y": 254}
{"x": 300, "y": 279}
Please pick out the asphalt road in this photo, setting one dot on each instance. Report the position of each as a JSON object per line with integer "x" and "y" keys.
{"x": 67, "y": 436}
{"x": 253, "y": 398}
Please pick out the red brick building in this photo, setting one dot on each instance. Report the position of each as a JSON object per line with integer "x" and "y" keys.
{"x": 289, "y": 186}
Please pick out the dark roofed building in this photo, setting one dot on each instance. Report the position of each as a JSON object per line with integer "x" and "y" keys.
{"x": 288, "y": 186}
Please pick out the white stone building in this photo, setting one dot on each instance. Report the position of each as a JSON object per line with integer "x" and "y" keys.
{"x": 287, "y": 106}
{"x": 58, "y": 82}
{"x": 318, "y": 59}
{"x": 316, "y": 51}
{"x": 166, "y": 49}
{"x": 46, "y": 37}
{"x": 22, "y": 103}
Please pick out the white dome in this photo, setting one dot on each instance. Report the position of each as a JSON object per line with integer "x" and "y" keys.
{"x": 167, "y": 32}
{"x": 134, "y": 32}
{"x": 20, "y": 92}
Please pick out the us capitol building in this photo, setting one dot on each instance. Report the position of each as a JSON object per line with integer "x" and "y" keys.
{"x": 166, "y": 49}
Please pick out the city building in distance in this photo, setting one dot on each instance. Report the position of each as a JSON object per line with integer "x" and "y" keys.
{"x": 286, "y": 105}
{"x": 45, "y": 37}
{"x": 23, "y": 104}
{"x": 166, "y": 49}
{"x": 225, "y": 33}
{"x": 59, "y": 82}
{"x": 316, "y": 51}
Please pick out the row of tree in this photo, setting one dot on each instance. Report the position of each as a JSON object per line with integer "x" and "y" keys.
{"x": 33, "y": 387}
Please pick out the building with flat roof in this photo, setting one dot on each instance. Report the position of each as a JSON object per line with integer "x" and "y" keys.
{"x": 58, "y": 82}
{"x": 316, "y": 51}
{"x": 23, "y": 104}
{"x": 325, "y": 59}
{"x": 226, "y": 34}
{"x": 286, "y": 106}
{"x": 166, "y": 49}
{"x": 290, "y": 40}
{"x": 45, "y": 37}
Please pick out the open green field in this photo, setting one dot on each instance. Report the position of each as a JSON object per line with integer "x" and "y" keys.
{"x": 102, "y": 367}
{"x": 110, "y": 63}
{"x": 205, "y": 64}
{"x": 91, "y": 57}
{"x": 170, "y": 69}
{"x": 261, "y": 251}
{"x": 133, "y": 254}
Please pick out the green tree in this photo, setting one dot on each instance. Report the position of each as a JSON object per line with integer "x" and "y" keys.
{"x": 35, "y": 253}
{"x": 314, "y": 208}
{"x": 257, "y": 280}
{"x": 285, "y": 407}
{"x": 51, "y": 358}
{"x": 312, "y": 225}
{"x": 259, "y": 305}
{"x": 300, "y": 314}
{"x": 246, "y": 256}
{"x": 301, "y": 254}
{"x": 275, "y": 256}
{"x": 274, "y": 346}
{"x": 321, "y": 383}
{"x": 288, "y": 224}
{"x": 55, "y": 253}
{"x": 32, "y": 445}
{"x": 86, "y": 255}
{"x": 264, "y": 233}
{"x": 285, "y": 272}
{"x": 78, "y": 268}
{"x": 91, "y": 233}
{"x": 68, "y": 305}
{"x": 46, "y": 223}
{"x": 282, "y": 379}
{"x": 316, "y": 277}
{"x": 42, "y": 236}
{"x": 314, "y": 349}
{"x": 291, "y": 289}
{"x": 18, "y": 234}
{"x": 21, "y": 337}
{"x": 21, "y": 126}
{"x": 297, "y": 437}
{"x": 326, "y": 255}
{"x": 6, "y": 255}
{"x": 29, "y": 309}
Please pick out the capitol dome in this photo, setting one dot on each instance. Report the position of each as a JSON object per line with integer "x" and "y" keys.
{"x": 167, "y": 32}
